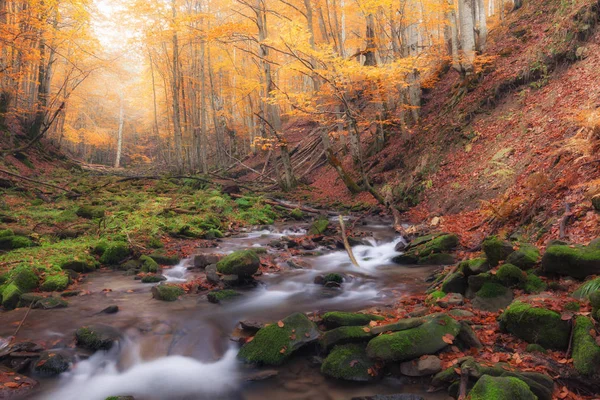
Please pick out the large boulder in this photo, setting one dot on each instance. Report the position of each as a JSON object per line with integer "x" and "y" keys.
{"x": 492, "y": 297}
{"x": 586, "y": 353}
{"x": 97, "y": 337}
{"x": 115, "y": 253}
{"x": 536, "y": 325}
{"x": 335, "y": 319}
{"x": 474, "y": 266}
{"x": 428, "y": 338}
{"x": 496, "y": 250}
{"x": 275, "y": 343}
{"x": 455, "y": 283}
{"x": 243, "y": 263}
{"x": 510, "y": 275}
{"x": 167, "y": 292}
{"x": 52, "y": 363}
{"x": 345, "y": 335}
{"x": 349, "y": 362}
{"x": 578, "y": 262}
{"x": 430, "y": 249}
{"x": 525, "y": 257}
{"x": 501, "y": 388}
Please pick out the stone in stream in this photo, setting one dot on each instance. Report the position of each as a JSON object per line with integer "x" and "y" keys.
{"x": 15, "y": 386}
{"x": 166, "y": 292}
{"x": 335, "y": 319}
{"x": 345, "y": 335}
{"x": 349, "y": 362}
{"x": 97, "y": 337}
{"x": 424, "y": 366}
{"x": 275, "y": 343}
{"x": 536, "y": 325}
{"x": 501, "y": 388}
{"x": 49, "y": 303}
{"x": 211, "y": 274}
{"x": 218, "y": 296}
{"x": 52, "y": 363}
{"x": 204, "y": 260}
{"x": 243, "y": 263}
{"x": 430, "y": 249}
{"x": 251, "y": 325}
{"x": 110, "y": 309}
{"x": 427, "y": 338}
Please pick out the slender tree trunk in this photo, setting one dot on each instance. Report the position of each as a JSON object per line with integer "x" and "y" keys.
{"x": 120, "y": 133}
{"x": 467, "y": 35}
{"x": 175, "y": 89}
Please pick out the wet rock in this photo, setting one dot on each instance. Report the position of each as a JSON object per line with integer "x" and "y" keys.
{"x": 97, "y": 337}
{"x": 319, "y": 226}
{"x": 297, "y": 264}
{"x": 262, "y": 375}
{"x": 418, "y": 312}
{"x": 349, "y": 362}
{"x": 218, "y": 296}
{"x": 451, "y": 300}
{"x": 111, "y": 309}
{"x": 204, "y": 260}
{"x": 243, "y": 263}
{"x": 164, "y": 259}
{"x": 308, "y": 244}
{"x": 427, "y": 338}
{"x": 496, "y": 250}
{"x": 49, "y": 303}
{"x": 467, "y": 337}
{"x": 275, "y": 343}
{"x": 429, "y": 250}
{"x": 345, "y": 335}
{"x": 400, "y": 246}
{"x": 231, "y": 280}
{"x": 332, "y": 284}
{"x": 15, "y": 386}
{"x": 319, "y": 280}
{"x": 536, "y": 325}
{"x": 423, "y": 366}
{"x": 578, "y": 262}
{"x": 251, "y": 325}
{"x": 336, "y": 319}
{"x": 52, "y": 363}
{"x": 153, "y": 278}
{"x": 166, "y": 292}
{"x": 70, "y": 293}
{"x": 211, "y": 274}
{"x": 492, "y": 297}
{"x": 501, "y": 388}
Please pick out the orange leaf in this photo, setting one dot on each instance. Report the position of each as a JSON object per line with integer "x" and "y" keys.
{"x": 372, "y": 323}
{"x": 366, "y": 329}
{"x": 283, "y": 349}
{"x": 12, "y": 385}
{"x": 280, "y": 324}
{"x": 448, "y": 338}
{"x": 353, "y": 363}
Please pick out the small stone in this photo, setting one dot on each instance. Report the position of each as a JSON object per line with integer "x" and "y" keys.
{"x": 427, "y": 365}
{"x": 211, "y": 274}
{"x": 400, "y": 246}
{"x": 111, "y": 309}
{"x": 419, "y": 312}
{"x": 251, "y": 325}
{"x": 451, "y": 299}
{"x": 204, "y": 260}
{"x": 460, "y": 313}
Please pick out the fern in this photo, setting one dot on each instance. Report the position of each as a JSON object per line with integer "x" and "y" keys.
{"x": 587, "y": 288}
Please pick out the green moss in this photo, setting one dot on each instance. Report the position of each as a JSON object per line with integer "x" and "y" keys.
{"x": 496, "y": 250}
{"x": 525, "y": 257}
{"x": 536, "y": 325}
{"x": 344, "y": 335}
{"x": 434, "y": 296}
{"x": 573, "y": 306}
{"x": 149, "y": 265}
{"x": 533, "y": 284}
{"x": 79, "y": 263}
{"x": 578, "y": 262}
{"x": 476, "y": 282}
{"x": 18, "y": 242}
{"x": 535, "y": 348}
{"x": 10, "y": 296}
{"x": 100, "y": 248}
{"x": 6, "y": 233}
{"x": 333, "y": 277}
{"x": 115, "y": 253}
{"x": 511, "y": 275}
{"x": 335, "y": 319}
{"x": 213, "y": 234}
{"x": 96, "y": 337}
{"x": 409, "y": 344}
{"x": 273, "y": 344}
{"x": 587, "y": 288}
{"x": 586, "y": 353}
{"x": 167, "y": 292}
{"x": 349, "y": 362}
{"x": 297, "y": 214}
{"x": 54, "y": 283}
{"x": 491, "y": 290}
{"x": 217, "y": 296}
{"x": 431, "y": 250}
{"x": 474, "y": 266}
{"x": 151, "y": 278}
{"x": 501, "y": 388}
{"x": 155, "y": 243}
{"x": 319, "y": 226}
{"x": 90, "y": 212}
{"x": 242, "y": 263}
{"x": 164, "y": 259}
{"x": 25, "y": 278}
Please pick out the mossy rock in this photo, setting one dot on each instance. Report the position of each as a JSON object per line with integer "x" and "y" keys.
{"x": 409, "y": 344}
{"x": 434, "y": 297}
{"x": 29, "y": 299}
{"x": 501, "y": 388}
{"x": 217, "y": 296}
{"x": 492, "y": 297}
{"x": 511, "y": 275}
{"x": 97, "y": 337}
{"x": 474, "y": 266}
{"x": 345, "y": 335}
{"x": 53, "y": 363}
{"x": 152, "y": 278}
{"x": 11, "y": 295}
{"x": 297, "y": 214}
{"x": 164, "y": 259}
{"x": 25, "y": 278}
{"x": 274, "y": 344}
{"x": 431, "y": 251}
{"x": 115, "y": 253}
{"x": 455, "y": 283}
{"x": 213, "y": 234}
{"x": 319, "y": 226}
{"x": 533, "y": 284}
{"x": 49, "y": 303}
{"x": 55, "y": 283}
{"x": 90, "y": 212}
{"x": 334, "y": 319}
{"x": 80, "y": 263}
{"x": 349, "y": 362}
{"x": 333, "y": 277}
{"x": 6, "y": 233}
{"x": 167, "y": 292}
{"x": 243, "y": 263}
{"x": 476, "y": 282}
{"x": 578, "y": 262}
{"x": 14, "y": 242}
{"x": 535, "y": 348}
{"x": 536, "y": 325}
{"x": 525, "y": 257}
{"x": 148, "y": 265}
{"x": 100, "y": 247}
{"x": 586, "y": 353}
{"x": 496, "y": 250}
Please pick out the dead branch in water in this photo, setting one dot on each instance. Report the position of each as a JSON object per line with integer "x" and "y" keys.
{"x": 346, "y": 243}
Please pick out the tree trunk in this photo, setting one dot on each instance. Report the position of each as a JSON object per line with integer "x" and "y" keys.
{"x": 175, "y": 88}
{"x": 120, "y": 133}
{"x": 467, "y": 35}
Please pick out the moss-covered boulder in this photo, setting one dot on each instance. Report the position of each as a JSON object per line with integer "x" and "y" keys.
{"x": 49, "y": 303}
{"x": 428, "y": 338}
{"x": 496, "y": 250}
{"x": 25, "y": 278}
{"x": 474, "y": 266}
{"x": 349, "y": 362}
{"x": 578, "y": 262}
{"x": 492, "y": 297}
{"x": 533, "y": 284}
{"x": 163, "y": 258}
{"x": 152, "y": 278}
{"x": 148, "y": 265}
{"x": 432, "y": 249}
{"x": 97, "y": 337}
{"x": 90, "y": 212}
{"x": 476, "y": 282}
{"x": 167, "y": 292}
{"x": 53, "y": 363}
{"x": 55, "y": 283}
{"x": 79, "y": 263}
{"x": 217, "y": 296}
{"x": 536, "y": 325}
{"x": 586, "y": 353}
{"x": 510, "y": 275}
{"x": 115, "y": 253}
{"x": 297, "y": 214}
{"x": 335, "y": 319}
{"x": 319, "y": 226}
{"x": 525, "y": 257}
{"x": 501, "y": 388}
{"x": 345, "y": 335}
{"x": 14, "y": 242}
{"x": 11, "y": 294}
{"x": 455, "y": 283}
{"x": 275, "y": 343}
{"x": 243, "y": 263}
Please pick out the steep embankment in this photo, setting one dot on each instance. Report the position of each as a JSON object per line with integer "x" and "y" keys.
{"x": 513, "y": 146}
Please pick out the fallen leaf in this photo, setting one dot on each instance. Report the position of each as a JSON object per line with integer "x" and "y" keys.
{"x": 280, "y": 324}
{"x": 372, "y": 323}
{"x": 366, "y": 329}
{"x": 293, "y": 336}
{"x": 448, "y": 338}
{"x": 353, "y": 363}
{"x": 458, "y": 371}
{"x": 566, "y": 316}
{"x": 283, "y": 349}
{"x": 12, "y": 385}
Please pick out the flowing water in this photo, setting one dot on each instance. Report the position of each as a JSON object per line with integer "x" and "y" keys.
{"x": 186, "y": 349}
